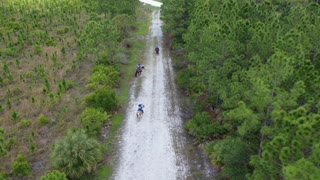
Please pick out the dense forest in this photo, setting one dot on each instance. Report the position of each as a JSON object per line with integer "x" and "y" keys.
{"x": 252, "y": 67}
{"x": 61, "y": 62}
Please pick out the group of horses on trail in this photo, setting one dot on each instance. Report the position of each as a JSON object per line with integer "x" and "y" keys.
{"x": 138, "y": 73}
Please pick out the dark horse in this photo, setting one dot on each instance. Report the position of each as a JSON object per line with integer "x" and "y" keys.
{"x": 138, "y": 71}
{"x": 157, "y": 50}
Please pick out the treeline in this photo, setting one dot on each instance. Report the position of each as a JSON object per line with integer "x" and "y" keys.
{"x": 256, "y": 65}
{"x": 60, "y": 67}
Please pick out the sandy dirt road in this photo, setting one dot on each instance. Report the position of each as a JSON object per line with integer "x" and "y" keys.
{"x": 156, "y": 146}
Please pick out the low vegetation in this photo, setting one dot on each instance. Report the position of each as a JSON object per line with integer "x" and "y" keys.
{"x": 60, "y": 71}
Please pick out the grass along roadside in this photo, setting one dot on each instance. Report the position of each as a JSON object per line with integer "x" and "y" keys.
{"x": 138, "y": 44}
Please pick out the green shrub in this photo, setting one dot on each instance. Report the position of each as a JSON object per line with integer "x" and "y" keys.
{"x": 51, "y": 42}
{"x": 22, "y": 167}
{"x": 3, "y": 148}
{"x": 104, "y": 57}
{"x": 65, "y": 85}
{"x": 13, "y": 52}
{"x": 204, "y": 128}
{"x": 233, "y": 154}
{"x": 37, "y": 49}
{"x": 3, "y": 175}
{"x": 66, "y": 29}
{"x": 104, "y": 76}
{"x": 60, "y": 31}
{"x": 1, "y": 108}
{"x": 74, "y": 165}
{"x": 9, "y": 104}
{"x": 183, "y": 78}
{"x": 6, "y": 67}
{"x": 32, "y": 144}
{"x": 63, "y": 30}
{"x": 11, "y": 142}
{"x": 15, "y": 116}
{"x": 43, "y": 120}
{"x": 25, "y": 123}
{"x": 54, "y": 175}
{"x": 187, "y": 79}
{"x": 93, "y": 120}
{"x": 63, "y": 50}
{"x": 104, "y": 98}
{"x": 30, "y": 76}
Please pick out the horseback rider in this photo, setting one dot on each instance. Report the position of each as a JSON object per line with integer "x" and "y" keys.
{"x": 157, "y": 49}
{"x": 138, "y": 70}
{"x": 140, "y": 107}
{"x": 139, "y": 67}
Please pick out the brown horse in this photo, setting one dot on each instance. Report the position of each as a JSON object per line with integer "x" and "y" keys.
{"x": 138, "y": 71}
{"x": 139, "y": 114}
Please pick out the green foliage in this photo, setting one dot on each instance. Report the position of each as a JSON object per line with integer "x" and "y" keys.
{"x": 176, "y": 15}
{"x": 5, "y": 67}
{"x": 9, "y": 52}
{"x": 185, "y": 80}
{"x": 243, "y": 118}
{"x": 65, "y": 85}
{"x": 14, "y": 115}
{"x": 63, "y": 30}
{"x": 103, "y": 76}
{"x": 8, "y": 102}
{"x": 1, "y": 108}
{"x": 32, "y": 143}
{"x": 232, "y": 152}
{"x": 3, "y": 148}
{"x": 43, "y": 120}
{"x": 54, "y": 175}
{"x": 125, "y": 23}
{"x": 302, "y": 169}
{"x": 63, "y": 50}
{"x": 76, "y": 154}
{"x": 99, "y": 35}
{"x": 37, "y": 49}
{"x": 21, "y": 166}
{"x": 204, "y": 128}
{"x": 11, "y": 142}
{"x": 115, "y": 7}
{"x": 2, "y": 177}
{"x": 25, "y": 123}
{"x": 34, "y": 36}
{"x": 93, "y": 120}
{"x": 258, "y": 61}
{"x": 104, "y": 98}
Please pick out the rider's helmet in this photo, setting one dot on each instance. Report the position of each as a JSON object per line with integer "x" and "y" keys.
{"x": 140, "y": 105}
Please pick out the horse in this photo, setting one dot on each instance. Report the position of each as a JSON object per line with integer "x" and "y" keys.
{"x": 139, "y": 114}
{"x": 157, "y": 50}
{"x": 138, "y": 71}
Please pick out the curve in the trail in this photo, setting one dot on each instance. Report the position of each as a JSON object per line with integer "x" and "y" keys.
{"x": 155, "y": 146}
{"x": 152, "y": 3}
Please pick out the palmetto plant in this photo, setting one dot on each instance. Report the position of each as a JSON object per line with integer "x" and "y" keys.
{"x": 76, "y": 154}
